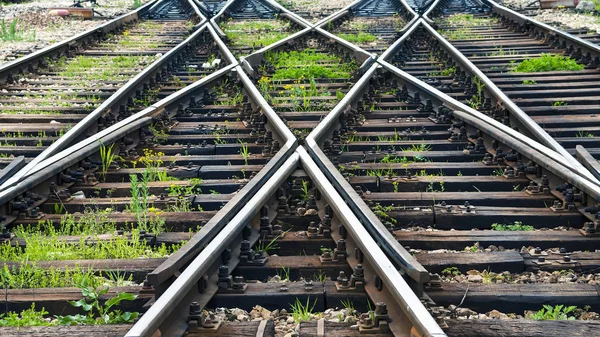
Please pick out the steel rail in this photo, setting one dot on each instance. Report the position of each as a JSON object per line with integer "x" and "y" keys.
{"x": 409, "y": 9}
{"x": 255, "y": 58}
{"x": 222, "y": 47}
{"x": 404, "y": 259}
{"x": 183, "y": 255}
{"x": 179, "y": 259}
{"x": 43, "y": 166}
{"x": 337, "y": 14}
{"x": 201, "y": 6}
{"x": 526, "y": 121}
{"x": 32, "y": 60}
{"x": 198, "y": 13}
{"x": 156, "y": 4}
{"x": 522, "y": 19}
{"x": 402, "y": 294}
{"x": 276, "y": 122}
{"x": 588, "y": 160}
{"x": 548, "y": 157}
{"x": 127, "y": 90}
{"x": 187, "y": 282}
{"x": 433, "y": 6}
{"x": 289, "y": 14}
{"x": 346, "y": 11}
{"x": 541, "y": 158}
{"x": 408, "y": 30}
{"x": 218, "y": 15}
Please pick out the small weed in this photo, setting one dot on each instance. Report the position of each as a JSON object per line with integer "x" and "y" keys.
{"x": 271, "y": 245}
{"x": 473, "y": 249}
{"x": 451, "y": 271}
{"x": 245, "y": 152}
{"x": 477, "y": 100}
{"x": 107, "y": 157}
{"x": 139, "y": 198}
{"x": 284, "y": 273}
{"x": 553, "y": 313}
{"x": 498, "y": 172}
{"x": 158, "y": 135}
{"x": 382, "y": 213}
{"x": 448, "y": 71}
{"x": 302, "y": 312}
{"x": 371, "y": 311}
{"x": 10, "y": 32}
{"x": 529, "y": 82}
{"x": 560, "y": 103}
{"x": 59, "y": 208}
{"x": 96, "y": 312}
{"x": 320, "y": 276}
{"x": 348, "y": 305}
{"x": 516, "y": 226}
{"x": 153, "y": 166}
{"x": 305, "y": 190}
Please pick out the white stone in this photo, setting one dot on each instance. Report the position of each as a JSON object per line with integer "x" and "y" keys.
{"x": 475, "y": 278}
{"x": 586, "y": 6}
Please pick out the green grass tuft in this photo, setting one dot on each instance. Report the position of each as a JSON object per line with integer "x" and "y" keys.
{"x": 306, "y": 64}
{"x": 547, "y": 62}
{"x": 360, "y": 37}
{"x": 12, "y": 32}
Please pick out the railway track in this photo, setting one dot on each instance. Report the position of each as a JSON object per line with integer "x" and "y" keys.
{"x": 317, "y": 173}
{"x": 559, "y": 101}
{"x": 66, "y": 86}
